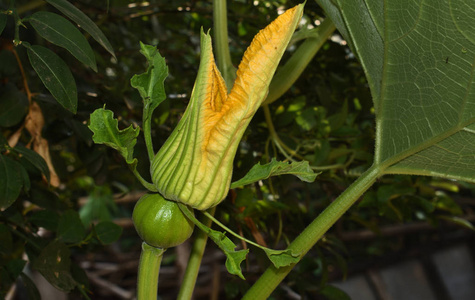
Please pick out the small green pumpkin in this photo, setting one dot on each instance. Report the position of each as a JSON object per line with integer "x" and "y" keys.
{"x": 160, "y": 222}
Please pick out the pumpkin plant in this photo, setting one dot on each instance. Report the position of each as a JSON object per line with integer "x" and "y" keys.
{"x": 193, "y": 168}
{"x": 421, "y": 82}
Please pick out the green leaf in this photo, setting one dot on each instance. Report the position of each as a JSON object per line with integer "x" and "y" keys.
{"x": 61, "y": 32}
{"x": 281, "y": 258}
{"x": 99, "y": 206}
{"x": 34, "y": 158}
{"x": 459, "y": 221}
{"x": 233, "y": 257}
{"x": 11, "y": 181}
{"x": 106, "y": 131}
{"x": 70, "y": 227}
{"x": 55, "y": 75}
{"x": 3, "y": 22}
{"x": 422, "y": 81}
{"x": 48, "y": 219}
{"x": 15, "y": 266}
{"x": 108, "y": 232}
{"x": 333, "y": 293}
{"x": 13, "y": 107}
{"x": 83, "y": 21}
{"x": 259, "y": 172}
{"x": 54, "y": 263}
{"x": 151, "y": 83}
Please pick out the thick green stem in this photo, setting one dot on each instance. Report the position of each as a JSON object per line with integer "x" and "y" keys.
{"x": 221, "y": 43}
{"x": 312, "y": 234}
{"x": 149, "y": 268}
{"x": 293, "y": 68}
{"x": 194, "y": 262}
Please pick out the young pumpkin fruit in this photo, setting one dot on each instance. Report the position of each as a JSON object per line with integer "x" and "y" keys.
{"x": 160, "y": 222}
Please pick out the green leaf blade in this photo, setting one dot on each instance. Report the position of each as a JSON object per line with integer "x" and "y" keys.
{"x": 425, "y": 103}
{"x": 35, "y": 159}
{"x": 82, "y": 20}
{"x": 12, "y": 181}
{"x": 151, "y": 83}
{"x": 106, "y": 131}
{"x": 54, "y": 263}
{"x": 281, "y": 258}
{"x": 259, "y": 172}
{"x": 55, "y": 75}
{"x": 70, "y": 227}
{"x": 61, "y": 32}
{"x": 108, "y": 232}
{"x": 13, "y": 107}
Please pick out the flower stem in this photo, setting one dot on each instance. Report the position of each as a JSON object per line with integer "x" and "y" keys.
{"x": 312, "y": 234}
{"x": 194, "y": 262}
{"x": 149, "y": 268}
{"x": 221, "y": 40}
{"x": 147, "y": 131}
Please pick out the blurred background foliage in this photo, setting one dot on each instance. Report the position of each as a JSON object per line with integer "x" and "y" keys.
{"x": 326, "y": 118}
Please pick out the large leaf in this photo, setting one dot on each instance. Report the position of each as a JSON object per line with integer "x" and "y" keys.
{"x": 419, "y": 58}
{"x": 61, "y": 32}
{"x": 259, "y": 172}
{"x": 106, "y": 131}
{"x": 55, "y": 75}
{"x": 82, "y": 20}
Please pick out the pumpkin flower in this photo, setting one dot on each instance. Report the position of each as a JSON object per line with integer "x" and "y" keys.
{"x": 194, "y": 166}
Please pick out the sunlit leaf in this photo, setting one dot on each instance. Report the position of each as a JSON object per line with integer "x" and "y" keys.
{"x": 82, "y": 20}
{"x": 55, "y": 75}
{"x": 259, "y": 172}
{"x": 61, "y": 32}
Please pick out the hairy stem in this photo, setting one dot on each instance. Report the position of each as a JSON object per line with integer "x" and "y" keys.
{"x": 149, "y": 268}
{"x": 312, "y": 234}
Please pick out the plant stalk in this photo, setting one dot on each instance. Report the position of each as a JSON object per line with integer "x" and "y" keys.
{"x": 149, "y": 268}
{"x": 194, "y": 262}
{"x": 293, "y": 68}
{"x": 221, "y": 42}
{"x": 312, "y": 234}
